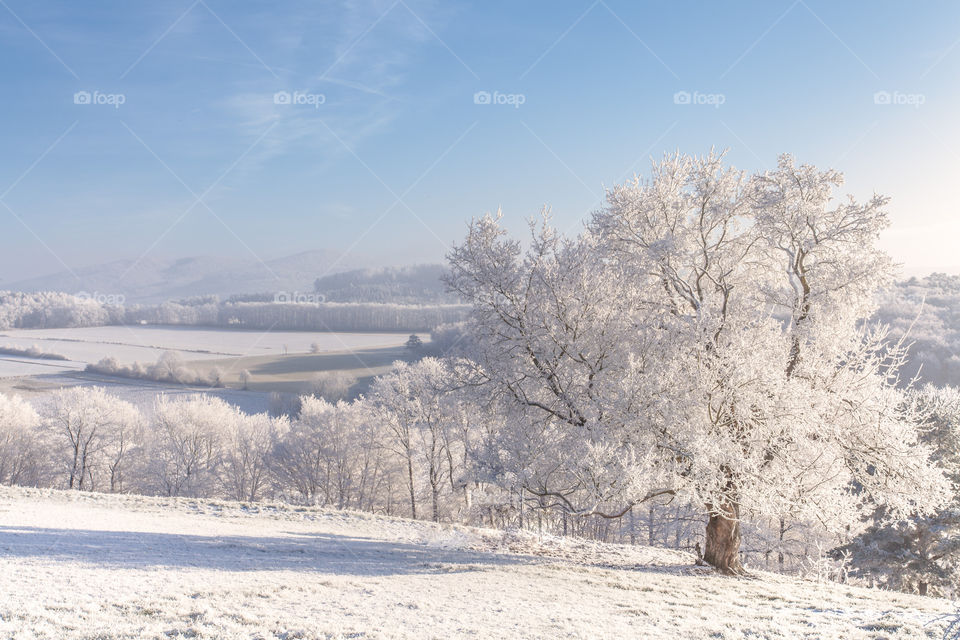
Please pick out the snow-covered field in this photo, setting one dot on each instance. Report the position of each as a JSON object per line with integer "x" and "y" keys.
{"x": 22, "y": 366}
{"x": 98, "y": 566}
{"x": 146, "y": 343}
{"x": 277, "y": 360}
{"x": 141, "y": 393}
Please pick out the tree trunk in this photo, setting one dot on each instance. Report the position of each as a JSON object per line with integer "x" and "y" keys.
{"x": 922, "y": 588}
{"x": 650, "y": 528}
{"x": 780, "y": 546}
{"x": 73, "y": 469}
{"x": 413, "y": 497}
{"x": 722, "y": 546}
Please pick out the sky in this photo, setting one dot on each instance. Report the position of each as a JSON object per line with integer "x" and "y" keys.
{"x": 133, "y": 129}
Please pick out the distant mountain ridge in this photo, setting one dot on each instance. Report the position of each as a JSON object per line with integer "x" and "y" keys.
{"x": 152, "y": 280}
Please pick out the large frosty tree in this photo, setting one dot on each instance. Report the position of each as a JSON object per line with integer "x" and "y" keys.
{"x": 702, "y": 338}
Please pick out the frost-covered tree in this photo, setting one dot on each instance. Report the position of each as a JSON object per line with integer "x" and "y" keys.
{"x": 332, "y": 455}
{"x": 188, "y": 444}
{"x": 414, "y": 344}
{"x": 333, "y": 385}
{"x": 702, "y": 338}
{"x": 123, "y": 448}
{"x": 449, "y": 339}
{"x": 918, "y": 552}
{"x": 410, "y": 400}
{"x": 300, "y": 458}
{"x": 22, "y": 456}
{"x": 248, "y": 446}
{"x": 86, "y": 427}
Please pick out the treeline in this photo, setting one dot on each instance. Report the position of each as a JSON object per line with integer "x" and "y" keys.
{"x": 33, "y": 351}
{"x": 414, "y": 446}
{"x": 416, "y": 284}
{"x": 169, "y": 368}
{"x": 339, "y": 316}
{"x": 407, "y": 449}
{"x": 54, "y": 310}
{"x": 48, "y": 309}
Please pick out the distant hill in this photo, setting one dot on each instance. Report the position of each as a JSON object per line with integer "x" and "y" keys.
{"x": 416, "y": 284}
{"x": 154, "y": 280}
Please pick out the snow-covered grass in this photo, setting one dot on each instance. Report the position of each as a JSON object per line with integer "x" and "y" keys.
{"x": 98, "y": 566}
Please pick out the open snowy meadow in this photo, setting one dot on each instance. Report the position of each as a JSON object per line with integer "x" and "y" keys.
{"x": 80, "y": 565}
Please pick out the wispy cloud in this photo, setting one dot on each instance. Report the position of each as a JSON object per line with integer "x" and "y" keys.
{"x": 358, "y": 67}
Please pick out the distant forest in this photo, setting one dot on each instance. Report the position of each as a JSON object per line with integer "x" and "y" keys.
{"x": 418, "y": 284}
{"x": 415, "y": 284}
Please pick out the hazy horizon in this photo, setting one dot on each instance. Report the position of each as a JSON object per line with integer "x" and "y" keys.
{"x": 361, "y": 262}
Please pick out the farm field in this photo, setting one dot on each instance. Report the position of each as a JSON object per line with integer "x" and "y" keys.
{"x": 293, "y": 372}
{"x": 22, "y": 366}
{"x": 276, "y": 361}
{"x": 105, "y": 566}
{"x": 146, "y": 343}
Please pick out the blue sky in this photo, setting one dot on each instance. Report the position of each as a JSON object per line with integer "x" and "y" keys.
{"x": 388, "y": 153}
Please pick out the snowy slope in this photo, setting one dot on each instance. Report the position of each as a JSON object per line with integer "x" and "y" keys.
{"x": 97, "y": 566}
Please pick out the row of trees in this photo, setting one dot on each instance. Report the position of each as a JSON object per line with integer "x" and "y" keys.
{"x": 83, "y": 438}
{"x": 51, "y": 310}
{"x": 169, "y": 367}
{"x": 403, "y": 450}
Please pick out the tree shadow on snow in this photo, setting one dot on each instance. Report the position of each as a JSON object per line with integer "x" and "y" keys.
{"x": 322, "y": 553}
